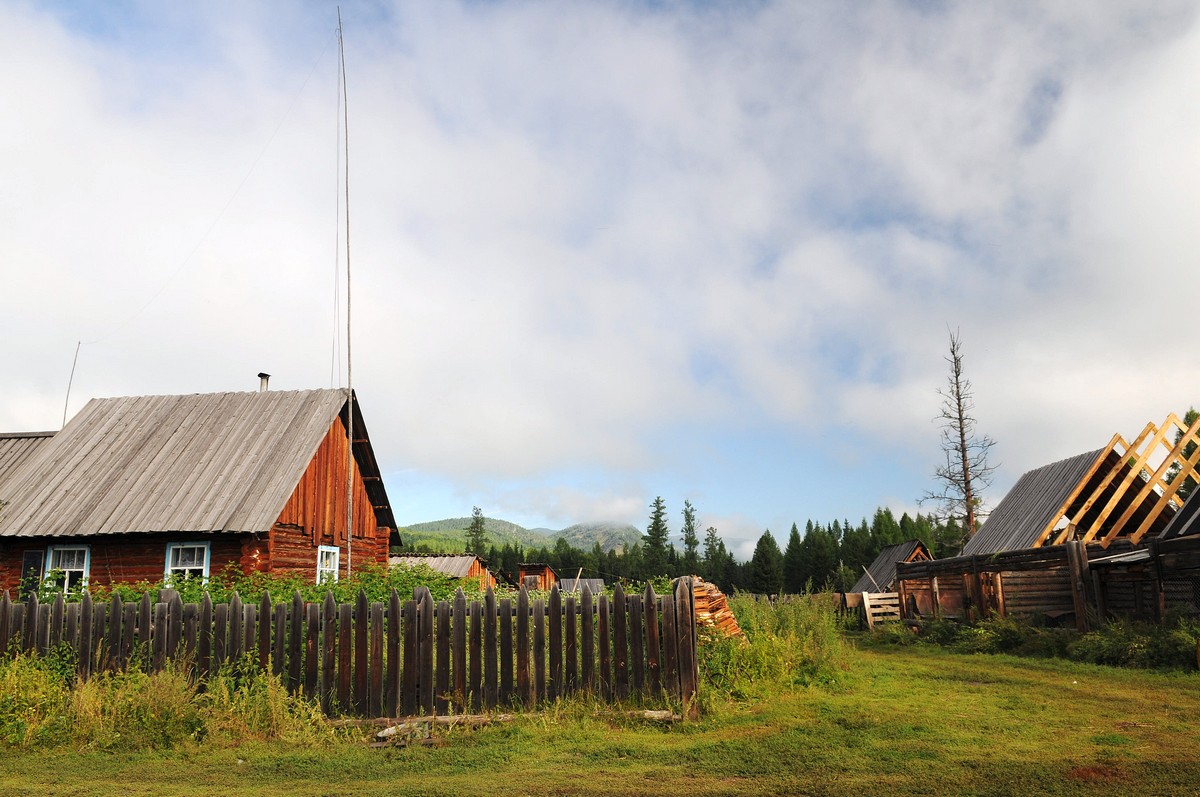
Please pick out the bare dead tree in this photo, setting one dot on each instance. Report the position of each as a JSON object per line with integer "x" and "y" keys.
{"x": 966, "y": 472}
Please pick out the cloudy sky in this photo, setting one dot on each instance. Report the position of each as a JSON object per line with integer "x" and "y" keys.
{"x": 604, "y": 251}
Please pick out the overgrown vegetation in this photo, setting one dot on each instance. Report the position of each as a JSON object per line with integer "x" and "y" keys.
{"x": 376, "y": 580}
{"x": 794, "y": 642}
{"x": 43, "y": 705}
{"x": 1121, "y": 643}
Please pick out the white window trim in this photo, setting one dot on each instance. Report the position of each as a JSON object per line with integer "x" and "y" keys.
{"x": 87, "y": 561}
{"x": 337, "y": 563}
{"x": 172, "y": 545}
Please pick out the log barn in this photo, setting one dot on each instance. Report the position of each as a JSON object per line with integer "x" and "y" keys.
{"x": 462, "y": 565}
{"x": 147, "y": 487}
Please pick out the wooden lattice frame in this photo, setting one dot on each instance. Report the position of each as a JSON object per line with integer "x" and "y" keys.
{"x": 1132, "y": 484}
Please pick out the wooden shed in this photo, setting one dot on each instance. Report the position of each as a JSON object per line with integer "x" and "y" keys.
{"x": 881, "y": 575}
{"x": 141, "y": 488}
{"x": 536, "y": 575}
{"x": 463, "y": 565}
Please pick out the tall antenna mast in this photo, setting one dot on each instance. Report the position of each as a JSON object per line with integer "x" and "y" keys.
{"x": 349, "y": 368}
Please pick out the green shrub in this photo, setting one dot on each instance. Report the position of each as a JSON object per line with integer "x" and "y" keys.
{"x": 788, "y": 643}
{"x": 245, "y": 703}
{"x": 33, "y": 696}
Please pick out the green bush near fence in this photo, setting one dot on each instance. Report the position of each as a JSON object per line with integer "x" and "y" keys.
{"x": 1120, "y": 643}
{"x": 789, "y": 643}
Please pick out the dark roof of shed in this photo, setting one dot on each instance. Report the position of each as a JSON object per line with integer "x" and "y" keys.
{"x": 453, "y": 565}
{"x": 1019, "y": 519}
{"x": 216, "y": 462}
{"x": 595, "y": 585}
{"x": 882, "y": 572}
{"x": 1186, "y": 520}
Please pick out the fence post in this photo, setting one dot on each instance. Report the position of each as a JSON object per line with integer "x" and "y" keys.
{"x": 394, "y": 684}
{"x": 459, "y": 655}
{"x": 652, "y": 643}
{"x": 554, "y": 687}
{"x": 522, "y": 620}
{"x": 425, "y": 618}
{"x": 689, "y": 673}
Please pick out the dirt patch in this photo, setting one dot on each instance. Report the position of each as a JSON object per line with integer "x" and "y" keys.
{"x": 1097, "y": 773}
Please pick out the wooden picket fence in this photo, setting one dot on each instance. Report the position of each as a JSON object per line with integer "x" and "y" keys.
{"x": 402, "y": 658}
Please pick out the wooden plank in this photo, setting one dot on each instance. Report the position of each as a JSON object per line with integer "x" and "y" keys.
{"x": 393, "y": 700}
{"x": 312, "y": 650}
{"x": 491, "y": 678}
{"x": 412, "y": 659}
{"x": 345, "y": 653}
{"x": 554, "y": 681}
{"x": 237, "y": 623}
{"x": 56, "y": 621}
{"x": 87, "y": 653}
{"x": 443, "y": 666}
{"x": 174, "y": 625}
{"x": 459, "y": 652}
{"x": 538, "y": 691}
{"x": 685, "y": 624}
{"x": 653, "y": 648}
{"x": 204, "y": 636}
{"x": 29, "y": 635}
{"x": 571, "y": 634}
{"x": 43, "y": 628}
{"x": 5, "y": 621}
{"x": 191, "y": 622}
{"x": 670, "y": 643}
{"x": 70, "y": 629}
{"x": 266, "y": 625}
{"x": 475, "y": 676}
{"x": 295, "y": 642}
{"x": 587, "y": 640}
{"x": 506, "y": 651}
{"x": 279, "y": 650}
{"x": 116, "y": 613}
{"x": 522, "y": 645}
{"x": 425, "y": 678}
{"x": 220, "y": 636}
{"x": 328, "y": 653}
{"x": 620, "y": 642}
{"x": 604, "y": 683}
{"x": 375, "y": 685}
{"x": 362, "y": 652}
{"x": 637, "y": 662}
{"x": 159, "y": 636}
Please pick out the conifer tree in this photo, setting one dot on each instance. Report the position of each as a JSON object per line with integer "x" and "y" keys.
{"x": 793, "y": 563}
{"x": 691, "y": 543}
{"x": 765, "y": 575}
{"x": 476, "y": 536}
{"x": 654, "y": 550}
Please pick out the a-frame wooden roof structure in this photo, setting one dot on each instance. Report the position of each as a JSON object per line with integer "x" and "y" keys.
{"x": 881, "y": 575}
{"x": 1122, "y": 491}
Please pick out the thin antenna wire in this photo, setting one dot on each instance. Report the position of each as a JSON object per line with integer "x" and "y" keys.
{"x": 349, "y": 371}
{"x": 335, "y": 354}
{"x": 70, "y": 381}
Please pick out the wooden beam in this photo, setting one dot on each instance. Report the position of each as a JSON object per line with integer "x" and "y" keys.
{"x": 1066, "y": 505}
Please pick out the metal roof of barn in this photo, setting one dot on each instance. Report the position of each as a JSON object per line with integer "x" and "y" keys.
{"x": 453, "y": 565}
{"x": 881, "y": 575}
{"x": 1018, "y": 520}
{"x": 595, "y": 585}
{"x": 215, "y": 462}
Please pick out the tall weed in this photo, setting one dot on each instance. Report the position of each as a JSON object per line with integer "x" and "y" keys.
{"x": 789, "y": 643}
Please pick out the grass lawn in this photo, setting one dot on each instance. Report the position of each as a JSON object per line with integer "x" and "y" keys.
{"x": 913, "y": 720}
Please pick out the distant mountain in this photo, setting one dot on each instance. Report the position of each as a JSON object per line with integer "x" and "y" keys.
{"x": 611, "y": 536}
{"x": 450, "y": 535}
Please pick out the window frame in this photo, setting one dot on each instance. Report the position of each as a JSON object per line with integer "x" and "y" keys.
{"x": 168, "y": 573}
{"x": 66, "y": 585}
{"x": 333, "y": 574}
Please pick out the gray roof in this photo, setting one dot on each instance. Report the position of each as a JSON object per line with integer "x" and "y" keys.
{"x": 882, "y": 572}
{"x": 1031, "y": 504}
{"x": 16, "y": 447}
{"x": 596, "y": 585}
{"x": 453, "y": 565}
{"x": 217, "y": 462}
{"x": 1186, "y": 520}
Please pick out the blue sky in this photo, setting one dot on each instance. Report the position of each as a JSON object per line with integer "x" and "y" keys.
{"x": 607, "y": 251}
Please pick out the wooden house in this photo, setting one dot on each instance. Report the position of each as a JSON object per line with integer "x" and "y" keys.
{"x": 143, "y": 488}
{"x": 463, "y": 565}
{"x": 536, "y": 575}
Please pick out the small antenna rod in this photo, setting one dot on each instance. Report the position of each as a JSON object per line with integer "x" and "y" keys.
{"x": 70, "y": 381}
{"x": 349, "y": 370}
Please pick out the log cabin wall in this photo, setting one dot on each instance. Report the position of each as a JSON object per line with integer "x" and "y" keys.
{"x": 128, "y": 558}
{"x": 315, "y": 515}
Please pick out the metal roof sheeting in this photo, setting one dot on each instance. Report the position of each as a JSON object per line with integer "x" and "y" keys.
{"x": 455, "y": 566}
{"x": 881, "y": 575}
{"x": 1186, "y": 520}
{"x": 216, "y": 462}
{"x": 1031, "y": 504}
{"x": 595, "y": 585}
